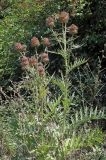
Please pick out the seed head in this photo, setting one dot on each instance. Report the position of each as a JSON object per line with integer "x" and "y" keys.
{"x": 20, "y": 48}
{"x": 73, "y": 29}
{"x": 46, "y": 42}
{"x": 41, "y": 70}
{"x": 44, "y": 57}
{"x": 35, "y": 42}
{"x": 50, "y": 22}
{"x": 24, "y": 62}
{"x": 64, "y": 17}
{"x": 32, "y": 61}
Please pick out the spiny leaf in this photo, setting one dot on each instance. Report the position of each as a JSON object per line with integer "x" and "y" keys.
{"x": 76, "y": 64}
{"x": 85, "y": 115}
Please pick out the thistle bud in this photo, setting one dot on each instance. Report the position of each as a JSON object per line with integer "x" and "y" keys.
{"x": 24, "y": 62}
{"x": 73, "y": 29}
{"x": 50, "y": 22}
{"x": 64, "y": 17}
{"x": 41, "y": 70}
{"x": 35, "y": 42}
{"x": 46, "y": 42}
{"x": 32, "y": 61}
{"x": 20, "y": 48}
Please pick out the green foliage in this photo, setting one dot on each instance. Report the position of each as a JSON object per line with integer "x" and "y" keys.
{"x": 85, "y": 115}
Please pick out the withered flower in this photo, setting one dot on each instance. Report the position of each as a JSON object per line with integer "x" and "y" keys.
{"x": 64, "y": 17}
{"x": 33, "y": 61}
{"x": 50, "y": 22}
{"x": 73, "y": 29}
{"x": 24, "y": 62}
{"x": 44, "y": 57}
{"x": 41, "y": 70}
{"x": 35, "y": 42}
{"x": 20, "y": 47}
{"x": 46, "y": 42}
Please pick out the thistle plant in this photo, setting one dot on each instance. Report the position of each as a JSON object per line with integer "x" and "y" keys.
{"x": 66, "y": 44}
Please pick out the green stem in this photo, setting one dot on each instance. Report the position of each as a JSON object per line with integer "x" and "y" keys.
{"x": 66, "y": 70}
{"x": 65, "y": 49}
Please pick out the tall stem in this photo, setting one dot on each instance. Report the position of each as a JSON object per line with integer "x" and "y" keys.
{"x": 65, "y": 49}
{"x": 65, "y": 78}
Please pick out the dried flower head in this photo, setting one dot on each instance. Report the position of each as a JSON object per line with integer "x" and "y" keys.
{"x": 46, "y": 42}
{"x": 35, "y": 42}
{"x": 33, "y": 61}
{"x": 64, "y": 17}
{"x": 73, "y": 29}
{"x": 50, "y": 22}
{"x": 41, "y": 70}
{"x": 44, "y": 57}
{"x": 24, "y": 62}
{"x": 20, "y": 48}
